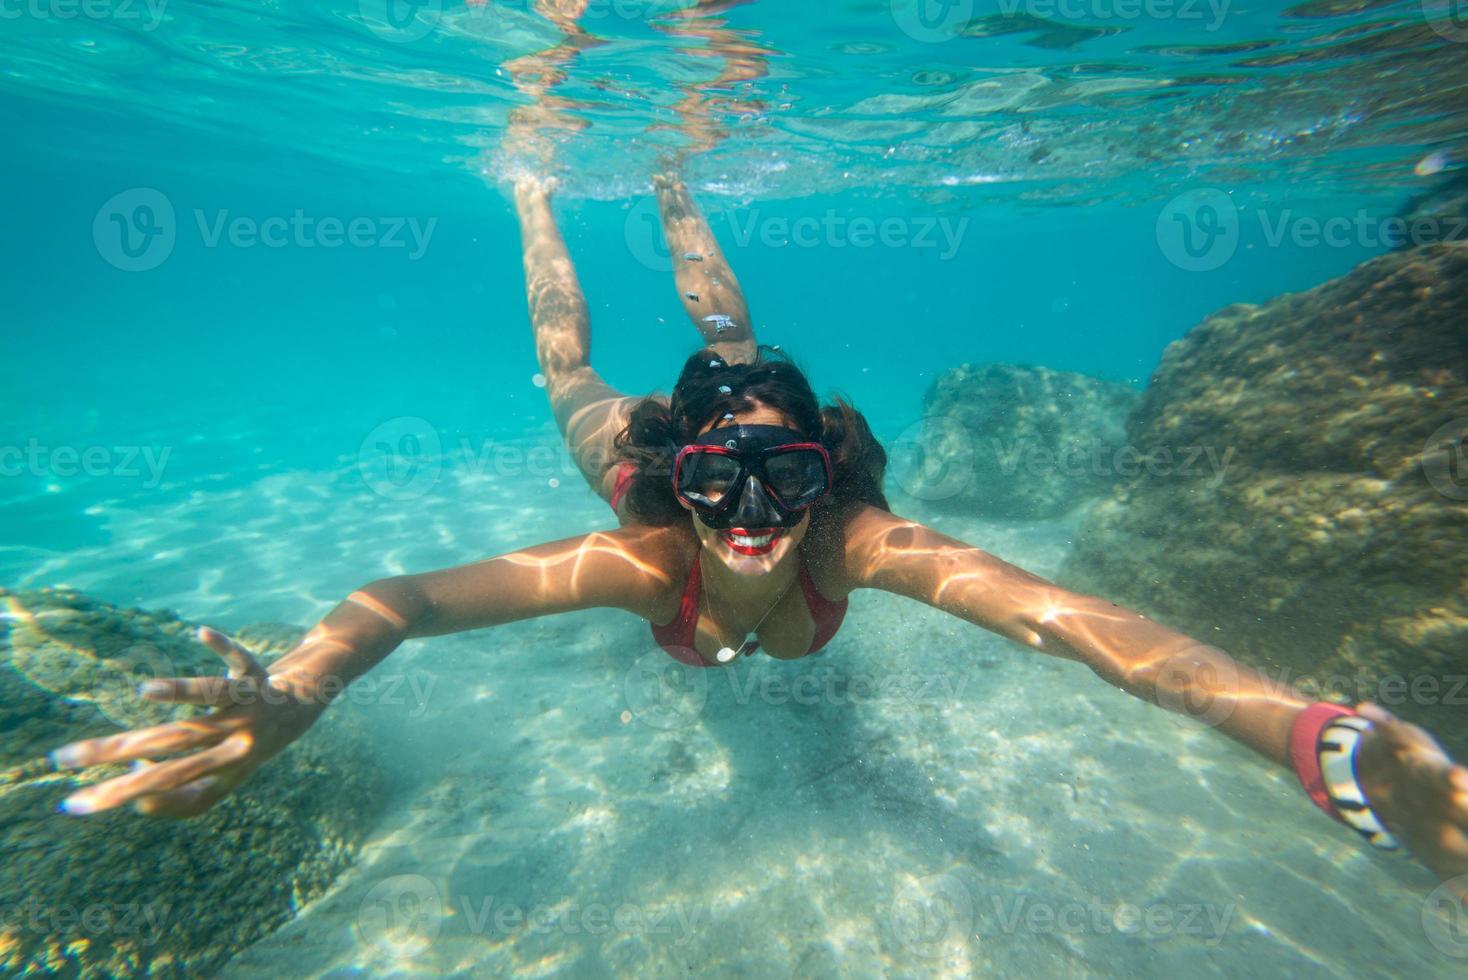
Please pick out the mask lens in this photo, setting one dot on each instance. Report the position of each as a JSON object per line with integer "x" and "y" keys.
{"x": 708, "y": 478}
{"x": 797, "y": 477}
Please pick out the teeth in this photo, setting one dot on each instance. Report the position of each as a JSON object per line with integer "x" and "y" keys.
{"x": 745, "y": 542}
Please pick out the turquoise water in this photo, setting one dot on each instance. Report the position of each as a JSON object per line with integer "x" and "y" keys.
{"x": 1029, "y": 164}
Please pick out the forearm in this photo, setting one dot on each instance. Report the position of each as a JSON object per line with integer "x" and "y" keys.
{"x": 353, "y": 638}
{"x": 1168, "y": 668}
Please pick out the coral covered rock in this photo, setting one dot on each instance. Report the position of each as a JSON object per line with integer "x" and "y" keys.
{"x": 119, "y": 894}
{"x": 1331, "y": 546}
{"x": 1008, "y": 441}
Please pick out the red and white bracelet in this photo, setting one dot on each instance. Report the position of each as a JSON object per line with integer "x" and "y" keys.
{"x": 1323, "y": 744}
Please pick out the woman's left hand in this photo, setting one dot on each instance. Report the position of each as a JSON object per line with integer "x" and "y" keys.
{"x": 1418, "y": 792}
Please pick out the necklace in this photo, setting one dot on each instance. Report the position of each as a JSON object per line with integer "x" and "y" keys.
{"x": 727, "y": 654}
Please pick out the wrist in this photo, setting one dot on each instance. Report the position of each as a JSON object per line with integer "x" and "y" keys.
{"x": 1325, "y": 741}
{"x": 1305, "y": 731}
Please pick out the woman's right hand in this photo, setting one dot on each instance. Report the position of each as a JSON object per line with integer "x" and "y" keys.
{"x": 256, "y": 715}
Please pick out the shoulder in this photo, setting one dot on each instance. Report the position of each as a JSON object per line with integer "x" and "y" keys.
{"x": 883, "y": 550}
{"x": 843, "y": 549}
{"x": 658, "y": 558}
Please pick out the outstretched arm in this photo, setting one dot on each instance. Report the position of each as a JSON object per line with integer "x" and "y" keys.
{"x": 1407, "y": 779}
{"x": 257, "y": 712}
{"x": 1140, "y": 656}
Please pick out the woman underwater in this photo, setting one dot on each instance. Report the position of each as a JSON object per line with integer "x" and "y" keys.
{"x": 748, "y": 515}
{"x": 748, "y": 510}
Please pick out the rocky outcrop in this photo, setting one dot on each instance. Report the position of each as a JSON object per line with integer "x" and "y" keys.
{"x": 1437, "y": 214}
{"x": 119, "y": 894}
{"x": 1331, "y": 545}
{"x": 1009, "y": 441}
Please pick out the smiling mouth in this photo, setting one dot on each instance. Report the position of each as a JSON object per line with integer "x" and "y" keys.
{"x": 755, "y": 541}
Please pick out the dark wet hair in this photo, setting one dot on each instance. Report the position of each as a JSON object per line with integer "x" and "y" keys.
{"x": 658, "y": 429}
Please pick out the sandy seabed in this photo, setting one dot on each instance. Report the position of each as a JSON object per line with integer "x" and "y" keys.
{"x": 922, "y": 798}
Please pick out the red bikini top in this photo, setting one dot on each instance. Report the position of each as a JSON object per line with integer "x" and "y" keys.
{"x": 677, "y": 637}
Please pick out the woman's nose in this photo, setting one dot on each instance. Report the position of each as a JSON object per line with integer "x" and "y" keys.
{"x": 755, "y": 508}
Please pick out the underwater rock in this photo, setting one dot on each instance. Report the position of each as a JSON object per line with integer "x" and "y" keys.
{"x": 119, "y": 894}
{"x": 1328, "y": 548}
{"x": 1011, "y": 441}
{"x": 1439, "y": 214}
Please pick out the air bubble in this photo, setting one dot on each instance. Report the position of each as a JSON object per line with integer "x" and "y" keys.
{"x": 725, "y": 390}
